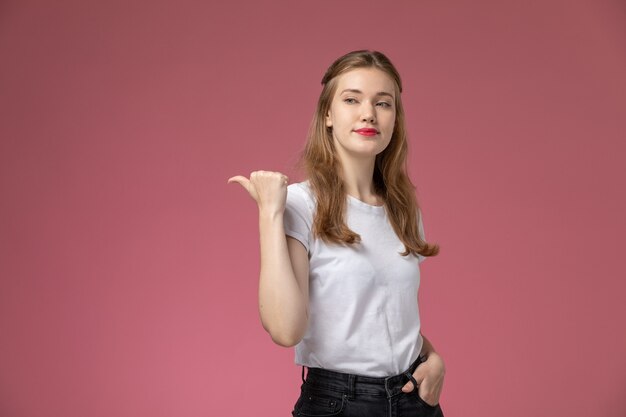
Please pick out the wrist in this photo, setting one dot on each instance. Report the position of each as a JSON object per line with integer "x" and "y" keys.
{"x": 427, "y": 353}
{"x": 270, "y": 214}
{"x": 436, "y": 360}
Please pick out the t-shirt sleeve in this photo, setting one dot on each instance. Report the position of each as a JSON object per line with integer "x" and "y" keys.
{"x": 420, "y": 228}
{"x": 298, "y": 215}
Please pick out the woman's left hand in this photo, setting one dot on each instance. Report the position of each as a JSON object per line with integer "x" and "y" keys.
{"x": 429, "y": 377}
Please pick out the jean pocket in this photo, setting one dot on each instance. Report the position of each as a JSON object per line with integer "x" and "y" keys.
{"x": 318, "y": 403}
{"x": 421, "y": 400}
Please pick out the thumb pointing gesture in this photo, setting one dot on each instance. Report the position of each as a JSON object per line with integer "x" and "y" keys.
{"x": 267, "y": 188}
{"x": 245, "y": 183}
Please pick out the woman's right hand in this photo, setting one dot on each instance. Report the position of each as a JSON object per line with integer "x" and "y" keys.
{"x": 267, "y": 188}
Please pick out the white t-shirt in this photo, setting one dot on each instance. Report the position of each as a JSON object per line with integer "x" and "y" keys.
{"x": 363, "y": 312}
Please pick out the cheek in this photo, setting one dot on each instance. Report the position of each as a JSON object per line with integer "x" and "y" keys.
{"x": 390, "y": 126}
{"x": 390, "y": 131}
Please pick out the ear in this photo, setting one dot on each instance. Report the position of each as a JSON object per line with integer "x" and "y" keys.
{"x": 329, "y": 122}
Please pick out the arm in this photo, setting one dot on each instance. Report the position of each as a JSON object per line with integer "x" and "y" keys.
{"x": 283, "y": 281}
{"x": 429, "y": 374}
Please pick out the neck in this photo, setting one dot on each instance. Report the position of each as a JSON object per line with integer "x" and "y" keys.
{"x": 357, "y": 176}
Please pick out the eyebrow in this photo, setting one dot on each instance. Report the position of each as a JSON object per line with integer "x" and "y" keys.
{"x": 352, "y": 90}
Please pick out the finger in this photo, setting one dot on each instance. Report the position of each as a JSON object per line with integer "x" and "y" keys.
{"x": 241, "y": 180}
{"x": 245, "y": 183}
{"x": 408, "y": 387}
{"x": 235, "y": 178}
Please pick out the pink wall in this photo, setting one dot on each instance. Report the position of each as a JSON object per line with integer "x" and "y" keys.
{"x": 129, "y": 268}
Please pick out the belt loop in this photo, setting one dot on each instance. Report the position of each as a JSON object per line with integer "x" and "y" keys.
{"x": 351, "y": 384}
{"x": 410, "y": 376}
{"x": 389, "y": 384}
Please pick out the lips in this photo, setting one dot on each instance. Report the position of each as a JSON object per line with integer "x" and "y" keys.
{"x": 367, "y": 132}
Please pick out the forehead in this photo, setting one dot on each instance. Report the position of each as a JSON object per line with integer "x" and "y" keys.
{"x": 368, "y": 80}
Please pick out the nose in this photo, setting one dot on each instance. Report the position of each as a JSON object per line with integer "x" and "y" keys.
{"x": 367, "y": 113}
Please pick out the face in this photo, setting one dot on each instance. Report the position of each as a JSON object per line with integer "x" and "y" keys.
{"x": 364, "y": 99}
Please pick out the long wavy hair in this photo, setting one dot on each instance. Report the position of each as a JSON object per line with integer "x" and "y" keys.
{"x": 322, "y": 166}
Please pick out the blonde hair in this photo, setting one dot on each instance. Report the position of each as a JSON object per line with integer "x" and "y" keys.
{"x": 391, "y": 182}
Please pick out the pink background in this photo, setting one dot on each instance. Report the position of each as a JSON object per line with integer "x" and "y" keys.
{"x": 129, "y": 268}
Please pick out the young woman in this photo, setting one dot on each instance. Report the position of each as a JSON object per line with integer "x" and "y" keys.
{"x": 340, "y": 254}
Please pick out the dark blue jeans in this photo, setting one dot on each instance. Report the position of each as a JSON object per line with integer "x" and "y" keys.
{"x": 329, "y": 393}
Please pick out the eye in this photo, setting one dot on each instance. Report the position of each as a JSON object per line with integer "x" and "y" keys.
{"x": 384, "y": 104}
{"x": 350, "y": 100}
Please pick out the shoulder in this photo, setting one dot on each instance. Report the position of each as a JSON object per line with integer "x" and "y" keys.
{"x": 302, "y": 192}
{"x": 298, "y": 215}
{"x": 302, "y": 186}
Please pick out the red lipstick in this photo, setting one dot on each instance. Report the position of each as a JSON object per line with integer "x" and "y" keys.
{"x": 367, "y": 132}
